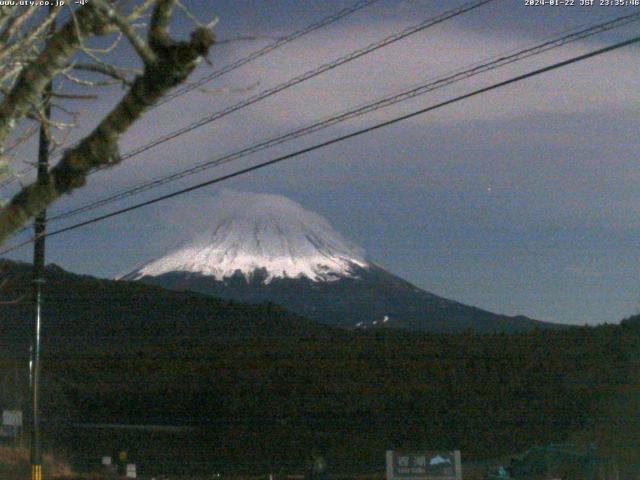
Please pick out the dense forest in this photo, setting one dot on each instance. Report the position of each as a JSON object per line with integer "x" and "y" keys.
{"x": 263, "y": 398}
{"x": 358, "y": 396}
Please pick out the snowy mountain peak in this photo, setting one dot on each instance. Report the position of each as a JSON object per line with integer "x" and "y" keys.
{"x": 262, "y": 233}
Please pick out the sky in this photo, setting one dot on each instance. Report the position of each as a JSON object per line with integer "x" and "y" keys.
{"x": 523, "y": 200}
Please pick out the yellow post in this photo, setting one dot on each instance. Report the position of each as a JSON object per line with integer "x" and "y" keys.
{"x": 36, "y": 472}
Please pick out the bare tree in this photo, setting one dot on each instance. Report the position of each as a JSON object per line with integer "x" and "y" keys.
{"x": 32, "y": 55}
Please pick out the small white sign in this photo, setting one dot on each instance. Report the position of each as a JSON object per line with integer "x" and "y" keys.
{"x": 131, "y": 470}
{"x": 424, "y": 465}
{"x": 106, "y": 461}
{"x": 12, "y": 418}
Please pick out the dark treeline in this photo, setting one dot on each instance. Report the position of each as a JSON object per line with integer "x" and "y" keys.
{"x": 358, "y": 395}
{"x": 265, "y": 387}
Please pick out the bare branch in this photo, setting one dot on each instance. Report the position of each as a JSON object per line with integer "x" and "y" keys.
{"x": 174, "y": 62}
{"x": 15, "y": 23}
{"x": 146, "y": 54}
{"x": 29, "y": 39}
{"x": 212, "y": 23}
{"x": 159, "y": 28}
{"x": 52, "y": 59}
{"x": 106, "y": 70}
{"x": 78, "y": 81}
{"x": 140, "y": 10}
{"x": 33, "y": 66}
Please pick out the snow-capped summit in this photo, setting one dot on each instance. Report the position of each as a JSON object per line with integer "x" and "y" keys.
{"x": 262, "y": 233}
{"x": 266, "y": 248}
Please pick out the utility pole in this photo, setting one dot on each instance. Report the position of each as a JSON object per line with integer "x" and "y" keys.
{"x": 38, "y": 281}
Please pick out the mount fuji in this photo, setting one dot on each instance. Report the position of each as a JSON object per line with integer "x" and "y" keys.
{"x": 267, "y": 248}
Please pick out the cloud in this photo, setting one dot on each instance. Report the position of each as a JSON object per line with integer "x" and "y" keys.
{"x": 606, "y": 84}
{"x": 591, "y": 86}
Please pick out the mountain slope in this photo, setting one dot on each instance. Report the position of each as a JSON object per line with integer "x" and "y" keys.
{"x": 84, "y": 312}
{"x": 372, "y": 298}
{"x": 268, "y": 248}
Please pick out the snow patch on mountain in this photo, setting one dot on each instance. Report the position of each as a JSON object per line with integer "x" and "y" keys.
{"x": 262, "y": 233}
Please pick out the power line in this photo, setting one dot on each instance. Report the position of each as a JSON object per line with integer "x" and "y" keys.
{"x": 448, "y": 79}
{"x": 359, "y": 5}
{"x": 267, "y": 49}
{"x": 335, "y": 140}
{"x": 303, "y": 77}
{"x": 309, "y": 75}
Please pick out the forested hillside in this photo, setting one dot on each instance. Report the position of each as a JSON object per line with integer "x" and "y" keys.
{"x": 264, "y": 387}
{"x": 356, "y": 396}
